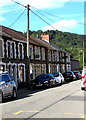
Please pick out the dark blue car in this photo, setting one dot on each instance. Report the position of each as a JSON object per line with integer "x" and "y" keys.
{"x": 43, "y": 80}
{"x": 77, "y": 74}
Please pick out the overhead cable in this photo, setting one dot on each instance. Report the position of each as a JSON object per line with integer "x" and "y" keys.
{"x": 18, "y": 3}
{"x": 55, "y": 15}
{"x": 54, "y": 21}
{"x": 17, "y": 18}
{"x": 43, "y": 20}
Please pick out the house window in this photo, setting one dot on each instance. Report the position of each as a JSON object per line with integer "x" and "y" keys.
{"x": 37, "y": 69}
{"x": 43, "y": 53}
{"x": 57, "y": 57}
{"x": 8, "y": 49}
{"x": 21, "y": 73}
{"x": 1, "y": 48}
{"x": 37, "y": 53}
{"x": 43, "y": 69}
{"x": 13, "y": 51}
{"x": 49, "y": 55}
{"x": 31, "y": 52}
{"x": 54, "y": 56}
{"x": 68, "y": 58}
{"x": 20, "y": 51}
{"x": 9, "y": 68}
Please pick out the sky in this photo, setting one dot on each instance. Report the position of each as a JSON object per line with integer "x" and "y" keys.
{"x": 62, "y": 15}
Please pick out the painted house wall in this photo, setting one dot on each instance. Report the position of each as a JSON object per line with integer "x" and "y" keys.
{"x": 13, "y": 58}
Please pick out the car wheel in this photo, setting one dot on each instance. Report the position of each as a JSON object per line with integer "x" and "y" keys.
{"x": 82, "y": 88}
{"x": 50, "y": 84}
{"x": 61, "y": 82}
{"x": 14, "y": 95}
{"x": 1, "y": 98}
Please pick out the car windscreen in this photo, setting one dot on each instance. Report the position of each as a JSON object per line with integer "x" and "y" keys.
{"x": 67, "y": 74}
{"x": 10, "y": 77}
{"x": 0, "y": 78}
{"x": 42, "y": 77}
{"x": 76, "y": 73}
{"x": 56, "y": 74}
{"x": 5, "y": 78}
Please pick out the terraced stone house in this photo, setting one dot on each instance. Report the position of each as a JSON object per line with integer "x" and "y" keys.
{"x": 44, "y": 57}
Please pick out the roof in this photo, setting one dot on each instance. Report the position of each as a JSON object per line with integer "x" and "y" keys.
{"x": 7, "y": 32}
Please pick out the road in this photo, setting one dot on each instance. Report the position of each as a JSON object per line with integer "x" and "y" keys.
{"x": 66, "y": 101}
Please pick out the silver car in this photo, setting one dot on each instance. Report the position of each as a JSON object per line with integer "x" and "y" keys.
{"x": 8, "y": 87}
{"x": 59, "y": 77}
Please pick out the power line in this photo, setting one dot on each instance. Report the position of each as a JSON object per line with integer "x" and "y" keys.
{"x": 54, "y": 21}
{"x": 43, "y": 19}
{"x": 17, "y": 18}
{"x": 55, "y": 15}
{"x": 19, "y": 3}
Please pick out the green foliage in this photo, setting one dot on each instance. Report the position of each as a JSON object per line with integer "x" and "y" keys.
{"x": 73, "y": 43}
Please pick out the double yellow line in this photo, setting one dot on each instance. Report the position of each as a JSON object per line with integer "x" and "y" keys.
{"x": 23, "y": 111}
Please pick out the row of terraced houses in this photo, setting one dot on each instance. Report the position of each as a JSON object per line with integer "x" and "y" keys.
{"x": 44, "y": 56}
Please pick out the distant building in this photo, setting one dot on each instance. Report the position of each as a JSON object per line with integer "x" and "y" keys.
{"x": 75, "y": 65}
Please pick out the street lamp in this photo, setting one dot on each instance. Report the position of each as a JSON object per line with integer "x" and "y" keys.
{"x": 83, "y": 54}
{"x": 79, "y": 54}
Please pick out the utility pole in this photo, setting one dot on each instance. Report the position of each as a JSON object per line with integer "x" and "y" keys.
{"x": 83, "y": 54}
{"x": 28, "y": 58}
{"x": 28, "y": 30}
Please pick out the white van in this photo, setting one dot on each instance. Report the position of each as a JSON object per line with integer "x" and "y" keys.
{"x": 83, "y": 79}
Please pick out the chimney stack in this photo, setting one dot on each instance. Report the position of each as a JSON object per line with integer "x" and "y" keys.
{"x": 45, "y": 37}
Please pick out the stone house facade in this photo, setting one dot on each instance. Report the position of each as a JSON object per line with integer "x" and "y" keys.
{"x": 44, "y": 57}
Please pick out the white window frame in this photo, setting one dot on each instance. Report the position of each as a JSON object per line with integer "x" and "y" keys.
{"x": 2, "y": 48}
{"x": 22, "y": 50}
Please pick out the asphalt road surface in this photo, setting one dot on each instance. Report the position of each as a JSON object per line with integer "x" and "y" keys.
{"x": 66, "y": 101}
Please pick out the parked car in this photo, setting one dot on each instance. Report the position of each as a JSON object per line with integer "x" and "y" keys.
{"x": 77, "y": 74}
{"x": 8, "y": 87}
{"x": 83, "y": 80}
{"x": 69, "y": 76}
{"x": 43, "y": 80}
{"x": 59, "y": 77}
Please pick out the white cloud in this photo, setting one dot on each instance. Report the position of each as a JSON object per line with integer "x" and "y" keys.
{"x": 37, "y": 3}
{"x": 77, "y": 0}
{"x": 2, "y": 18}
{"x": 63, "y": 25}
{"x": 5, "y": 2}
{"x": 41, "y": 4}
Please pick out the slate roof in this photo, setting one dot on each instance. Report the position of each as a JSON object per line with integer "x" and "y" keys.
{"x": 7, "y": 32}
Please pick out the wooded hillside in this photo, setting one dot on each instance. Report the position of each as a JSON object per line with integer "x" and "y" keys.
{"x": 73, "y": 43}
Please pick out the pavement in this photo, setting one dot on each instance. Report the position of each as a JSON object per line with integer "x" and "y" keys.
{"x": 22, "y": 90}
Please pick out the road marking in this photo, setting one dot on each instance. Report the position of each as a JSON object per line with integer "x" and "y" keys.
{"x": 23, "y": 111}
{"x": 18, "y": 112}
{"x": 84, "y": 116}
{"x": 2, "y": 118}
{"x": 72, "y": 113}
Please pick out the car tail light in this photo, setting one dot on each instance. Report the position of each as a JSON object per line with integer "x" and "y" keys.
{"x": 76, "y": 73}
